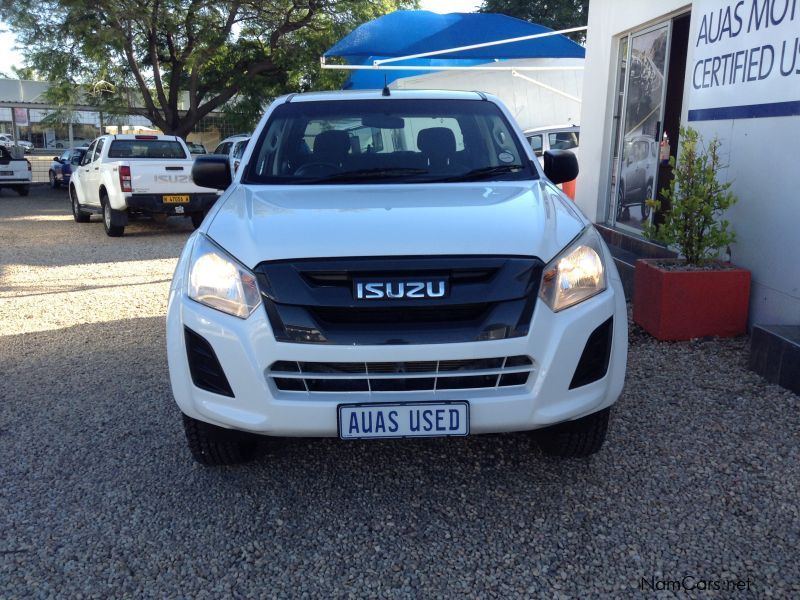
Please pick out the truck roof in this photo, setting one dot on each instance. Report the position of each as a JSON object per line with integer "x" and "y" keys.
{"x": 378, "y": 94}
{"x": 143, "y": 136}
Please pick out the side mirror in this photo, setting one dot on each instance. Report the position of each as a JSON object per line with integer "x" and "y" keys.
{"x": 560, "y": 165}
{"x": 57, "y": 159}
{"x": 212, "y": 171}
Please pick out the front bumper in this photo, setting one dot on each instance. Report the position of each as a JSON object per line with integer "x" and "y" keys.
{"x": 246, "y": 348}
{"x": 154, "y": 203}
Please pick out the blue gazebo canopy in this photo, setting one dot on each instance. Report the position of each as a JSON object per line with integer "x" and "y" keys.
{"x": 407, "y": 32}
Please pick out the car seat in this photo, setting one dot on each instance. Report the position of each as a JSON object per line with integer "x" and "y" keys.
{"x": 331, "y": 147}
{"x": 438, "y": 146}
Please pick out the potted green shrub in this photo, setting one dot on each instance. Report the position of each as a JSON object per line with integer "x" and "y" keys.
{"x": 697, "y": 295}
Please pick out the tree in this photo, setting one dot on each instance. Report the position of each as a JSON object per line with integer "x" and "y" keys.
{"x": 26, "y": 73}
{"x": 556, "y": 14}
{"x": 176, "y": 61}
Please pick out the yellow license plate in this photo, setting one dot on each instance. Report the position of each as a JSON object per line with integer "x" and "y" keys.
{"x": 183, "y": 199}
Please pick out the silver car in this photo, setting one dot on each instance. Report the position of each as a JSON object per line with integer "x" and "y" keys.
{"x": 233, "y": 147}
{"x": 8, "y": 142}
{"x": 557, "y": 137}
{"x": 637, "y": 175}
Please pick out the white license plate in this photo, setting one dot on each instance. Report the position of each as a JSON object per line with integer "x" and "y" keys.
{"x": 403, "y": 419}
{"x": 6, "y": 173}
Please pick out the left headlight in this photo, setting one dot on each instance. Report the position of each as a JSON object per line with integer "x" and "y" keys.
{"x": 576, "y": 274}
{"x": 216, "y": 279}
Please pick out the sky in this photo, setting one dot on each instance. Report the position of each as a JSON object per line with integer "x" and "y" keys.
{"x": 10, "y": 57}
{"x": 448, "y": 6}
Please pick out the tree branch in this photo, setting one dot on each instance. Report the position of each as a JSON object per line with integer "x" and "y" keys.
{"x": 155, "y": 116}
{"x": 152, "y": 49}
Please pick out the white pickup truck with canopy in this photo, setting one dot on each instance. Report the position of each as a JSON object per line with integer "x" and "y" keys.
{"x": 122, "y": 175}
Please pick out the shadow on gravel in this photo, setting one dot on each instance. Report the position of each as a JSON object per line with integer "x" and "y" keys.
{"x": 69, "y": 289}
{"x": 699, "y": 476}
{"x": 39, "y": 231}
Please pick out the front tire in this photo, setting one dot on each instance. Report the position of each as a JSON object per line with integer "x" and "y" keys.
{"x": 216, "y": 446}
{"x": 77, "y": 213}
{"x": 54, "y": 184}
{"x": 648, "y": 195}
{"x": 108, "y": 220}
{"x": 620, "y": 200}
{"x": 575, "y": 439}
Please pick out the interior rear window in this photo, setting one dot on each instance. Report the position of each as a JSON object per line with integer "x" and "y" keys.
{"x": 146, "y": 149}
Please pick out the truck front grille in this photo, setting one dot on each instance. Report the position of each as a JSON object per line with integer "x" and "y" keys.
{"x": 479, "y": 373}
{"x": 312, "y": 301}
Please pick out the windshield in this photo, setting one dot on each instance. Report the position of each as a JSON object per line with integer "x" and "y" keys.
{"x": 397, "y": 140}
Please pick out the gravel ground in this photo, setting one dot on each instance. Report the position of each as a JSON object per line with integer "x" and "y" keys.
{"x": 99, "y": 497}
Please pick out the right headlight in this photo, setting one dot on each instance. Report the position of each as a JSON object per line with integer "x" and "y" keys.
{"x": 576, "y": 274}
{"x": 218, "y": 280}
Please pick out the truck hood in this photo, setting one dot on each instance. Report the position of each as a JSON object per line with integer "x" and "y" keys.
{"x": 258, "y": 223}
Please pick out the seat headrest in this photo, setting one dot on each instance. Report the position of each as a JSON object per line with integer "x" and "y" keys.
{"x": 332, "y": 143}
{"x": 437, "y": 141}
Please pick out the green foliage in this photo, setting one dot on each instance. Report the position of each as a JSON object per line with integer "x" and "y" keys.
{"x": 25, "y": 73}
{"x": 697, "y": 199}
{"x": 556, "y": 14}
{"x": 175, "y": 61}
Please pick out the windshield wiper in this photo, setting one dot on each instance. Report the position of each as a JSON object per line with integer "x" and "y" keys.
{"x": 366, "y": 174}
{"x": 482, "y": 173}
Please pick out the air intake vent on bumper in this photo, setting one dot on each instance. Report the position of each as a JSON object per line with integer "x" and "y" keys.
{"x": 594, "y": 360}
{"x": 207, "y": 373}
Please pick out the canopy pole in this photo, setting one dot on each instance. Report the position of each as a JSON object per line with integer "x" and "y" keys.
{"x": 324, "y": 65}
{"x": 545, "y": 86}
{"x": 481, "y": 45}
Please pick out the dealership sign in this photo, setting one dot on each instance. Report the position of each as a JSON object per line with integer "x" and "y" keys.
{"x": 744, "y": 59}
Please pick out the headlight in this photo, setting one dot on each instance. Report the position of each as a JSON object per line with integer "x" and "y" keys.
{"x": 576, "y": 274}
{"x": 217, "y": 280}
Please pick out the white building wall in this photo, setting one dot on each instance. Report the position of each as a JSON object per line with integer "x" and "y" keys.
{"x": 531, "y": 104}
{"x": 761, "y": 153}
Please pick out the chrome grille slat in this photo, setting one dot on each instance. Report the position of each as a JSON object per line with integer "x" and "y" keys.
{"x": 419, "y": 375}
{"x": 305, "y": 383}
{"x": 431, "y": 376}
{"x": 499, "y": 375}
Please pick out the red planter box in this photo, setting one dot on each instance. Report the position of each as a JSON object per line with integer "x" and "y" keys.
{"x": 680, "y": 305}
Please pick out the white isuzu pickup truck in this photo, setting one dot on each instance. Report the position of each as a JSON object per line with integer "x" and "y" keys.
{"x": 123, "y": 175}
{"x": 15, "y": 170}
{"x": 389, "y": 265}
